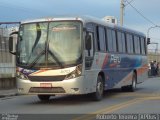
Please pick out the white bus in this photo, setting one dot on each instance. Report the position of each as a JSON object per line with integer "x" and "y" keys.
{"x": 77, "y": 55}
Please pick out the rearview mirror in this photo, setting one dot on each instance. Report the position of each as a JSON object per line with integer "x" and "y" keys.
{"x": 12, "y": 43}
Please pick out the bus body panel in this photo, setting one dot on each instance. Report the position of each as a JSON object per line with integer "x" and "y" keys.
{"x": 117, "y": 68}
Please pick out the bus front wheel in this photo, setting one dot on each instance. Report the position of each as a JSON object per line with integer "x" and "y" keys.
{"x": 44, "y": 97}
{"x": 98, "y": 95}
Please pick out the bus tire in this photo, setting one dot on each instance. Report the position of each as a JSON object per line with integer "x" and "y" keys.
{"x": 98, "y": 95}
{"x": 133, "y": 86}
{"x": 44, "y": 97}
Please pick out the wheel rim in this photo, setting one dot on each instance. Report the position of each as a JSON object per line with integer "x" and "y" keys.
{"x": 134, "y": 83}
{"x": 100, "y": 88}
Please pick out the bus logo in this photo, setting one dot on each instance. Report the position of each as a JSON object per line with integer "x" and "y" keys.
{"x": 115, "y": 59}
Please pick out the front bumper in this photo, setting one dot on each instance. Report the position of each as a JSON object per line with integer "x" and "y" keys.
{"x": 71, "y": 86}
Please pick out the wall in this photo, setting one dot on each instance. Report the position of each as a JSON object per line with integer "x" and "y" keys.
{"x": 7, "y": 62}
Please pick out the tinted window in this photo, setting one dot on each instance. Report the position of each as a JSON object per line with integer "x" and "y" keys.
{"x": 101, "y": 39}
{"x": 109, "y": 39}
{"x": 119, "y": 40}
{"x": 129, "y": 43}
{"x": 137, "y": 44}
{"x": 98, "y": 41}
{"x": 123, "y": 43}
{"x": 143, "y": 46}
{"x": 114, "y": 40}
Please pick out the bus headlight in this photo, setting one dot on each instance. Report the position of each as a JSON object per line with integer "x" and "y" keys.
{"x": 21, "y": 76}
{"x": 76, "y": 73}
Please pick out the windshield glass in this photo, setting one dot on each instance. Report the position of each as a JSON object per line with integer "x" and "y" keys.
{"x": 49, "y": 44}
{"x": 65, "y": 41}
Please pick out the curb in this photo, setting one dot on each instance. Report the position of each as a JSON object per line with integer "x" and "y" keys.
{"x": 9, "y": 94}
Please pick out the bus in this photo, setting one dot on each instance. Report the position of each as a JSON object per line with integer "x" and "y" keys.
{"x": 77, "y": 55}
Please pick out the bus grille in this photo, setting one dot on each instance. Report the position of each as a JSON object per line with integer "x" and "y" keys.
{"x": 46, "y": 78}
{"x": 46, "y": 90}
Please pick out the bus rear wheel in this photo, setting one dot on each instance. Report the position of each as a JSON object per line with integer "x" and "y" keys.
{"x": 133, "y": 86}
{"x": 98, "y": 95}
{"x": 44, "y": 97}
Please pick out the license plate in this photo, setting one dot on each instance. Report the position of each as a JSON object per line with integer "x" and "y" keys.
{"x": 45, "y": 85}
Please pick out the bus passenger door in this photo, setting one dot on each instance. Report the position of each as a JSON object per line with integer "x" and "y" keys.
{"x": 89, "y": 55}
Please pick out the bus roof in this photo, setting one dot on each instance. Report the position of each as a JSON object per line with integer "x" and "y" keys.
{"x": 85, "y": 19}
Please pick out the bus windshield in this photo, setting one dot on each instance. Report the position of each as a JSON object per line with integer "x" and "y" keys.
{"x": 50, "y": 44}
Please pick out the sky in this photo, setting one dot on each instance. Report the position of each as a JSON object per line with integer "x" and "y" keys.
{"x": 19, "y": 10}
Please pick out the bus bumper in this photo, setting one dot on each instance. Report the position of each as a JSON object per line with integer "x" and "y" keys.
{"x": 71, "y": 86}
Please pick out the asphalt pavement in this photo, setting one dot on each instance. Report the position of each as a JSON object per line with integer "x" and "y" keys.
{"x": 146, "y": 99}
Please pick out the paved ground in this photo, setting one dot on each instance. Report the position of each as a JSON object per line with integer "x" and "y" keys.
{"x": 145, "y": 100}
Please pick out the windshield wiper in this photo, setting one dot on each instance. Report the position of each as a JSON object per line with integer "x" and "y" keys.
{"x": 40, "y": 55}
{"x": 55, "y": 58}
{"x": 37, "y": 58}
{"x": 37, "y": 37}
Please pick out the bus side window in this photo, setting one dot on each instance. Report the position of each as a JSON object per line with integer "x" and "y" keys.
{"x": 101, "y": 39}
{"x": 123, "y": 43}
{"x": 114, "y": 41}
{"x": 120, "y": 43}
{"x": 89, "y": 44}
{"x": 137, "y": 44}
{"x": 109, "y": 39}
{"x": 130, "y": 43}
{"x": 143, "y": 46}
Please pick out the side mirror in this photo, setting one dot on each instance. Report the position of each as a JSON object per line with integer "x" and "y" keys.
{"x": 148, "y": 41}
{"x": 88, "y": 42}
{"x": 12, "y": 44}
